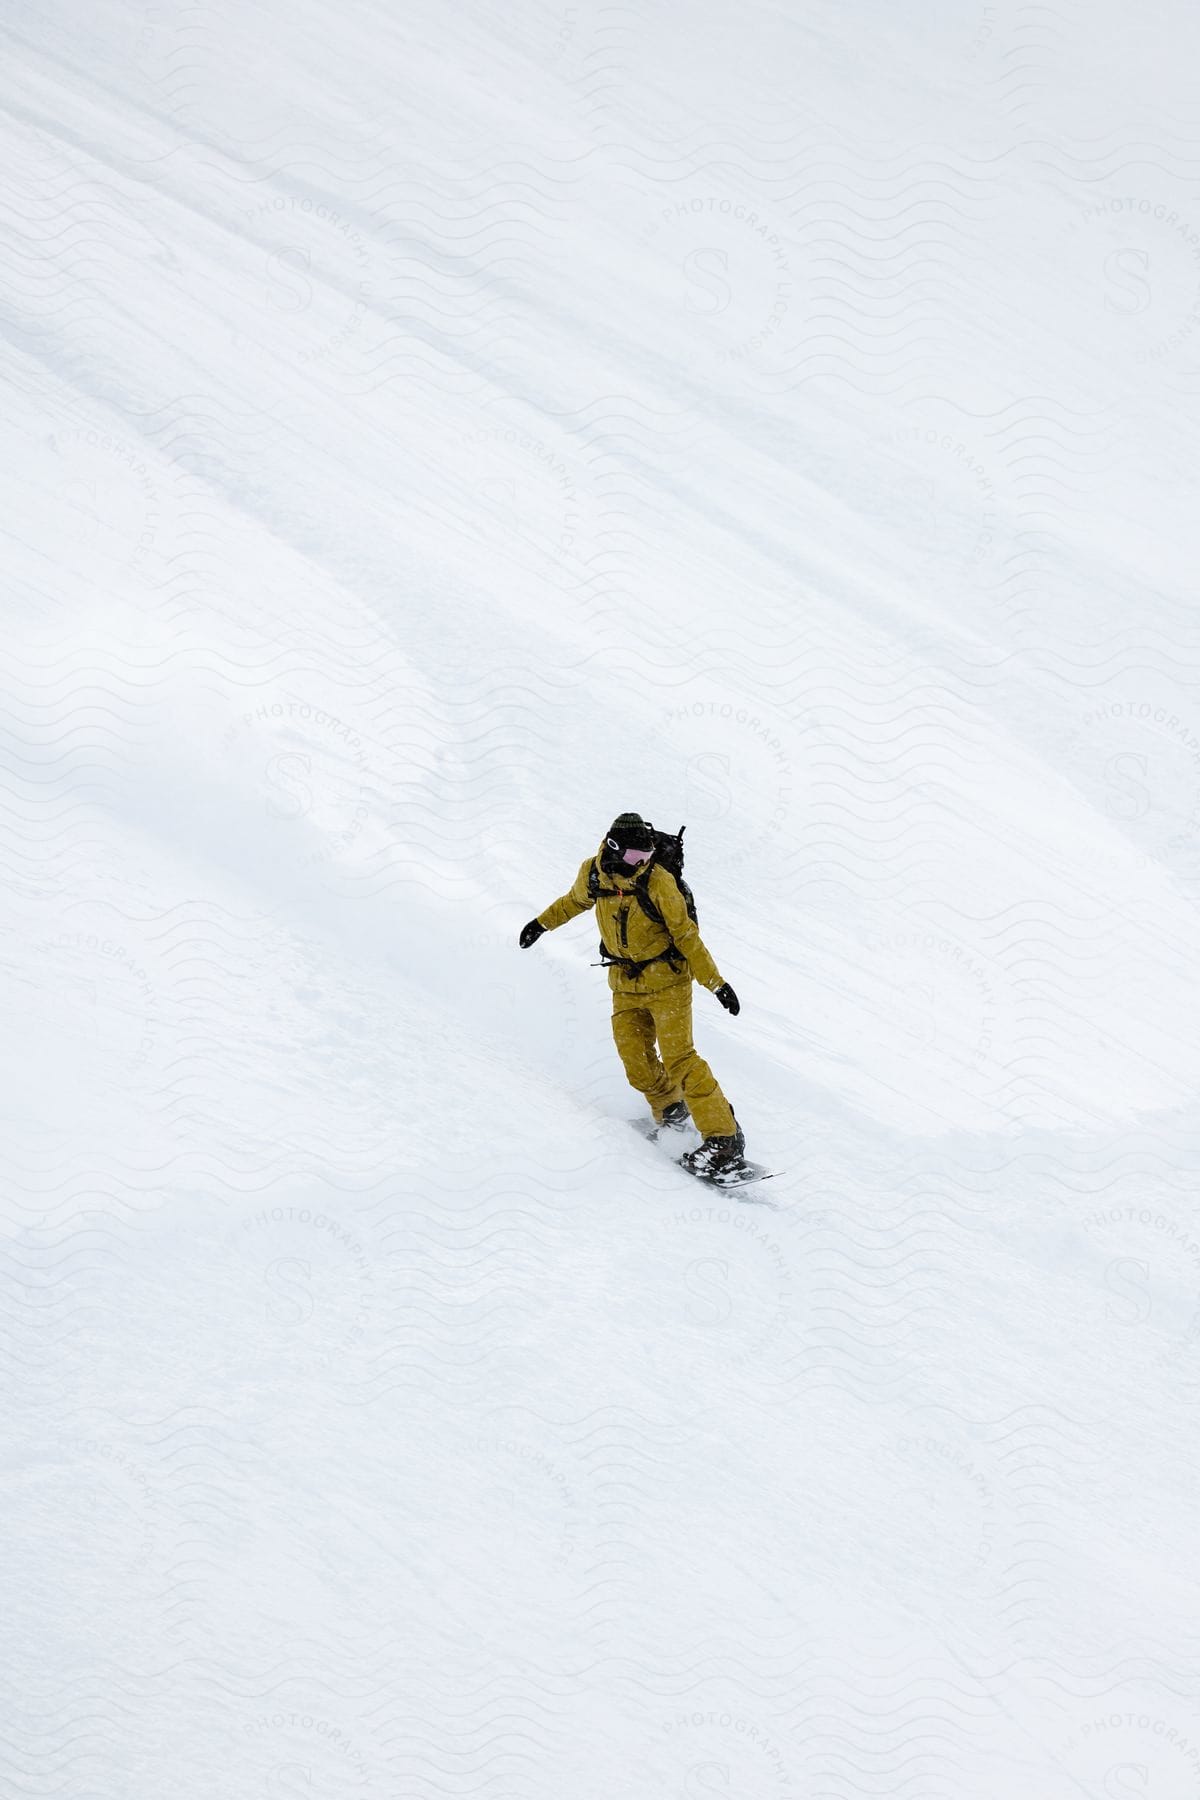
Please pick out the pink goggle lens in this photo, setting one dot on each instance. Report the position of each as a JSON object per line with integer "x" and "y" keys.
{"x": 634, "y": 857}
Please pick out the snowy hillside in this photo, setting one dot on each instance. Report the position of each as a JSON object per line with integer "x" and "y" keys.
{"x": 428, "y": 432}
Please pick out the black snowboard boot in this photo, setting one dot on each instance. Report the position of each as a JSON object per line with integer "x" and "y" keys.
{"x": 676, "y": 1117}
{"x": 717, "y": 1153}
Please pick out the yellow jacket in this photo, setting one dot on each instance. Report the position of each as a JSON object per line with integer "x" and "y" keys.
{"x": 627, "y": 931}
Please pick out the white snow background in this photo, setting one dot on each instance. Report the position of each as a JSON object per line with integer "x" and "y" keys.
{"x": 428, "y": 431}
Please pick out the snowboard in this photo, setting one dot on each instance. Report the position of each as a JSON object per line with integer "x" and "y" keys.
{"x": 743, "y": 1176}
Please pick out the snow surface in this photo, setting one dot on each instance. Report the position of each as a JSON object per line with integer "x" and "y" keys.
{"x": 428, "y": 431}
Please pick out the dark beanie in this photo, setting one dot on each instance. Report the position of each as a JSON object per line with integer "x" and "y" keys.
{"x": 631, "y": 832}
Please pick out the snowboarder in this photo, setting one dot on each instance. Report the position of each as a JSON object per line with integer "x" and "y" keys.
{"x": 652, "y": 946}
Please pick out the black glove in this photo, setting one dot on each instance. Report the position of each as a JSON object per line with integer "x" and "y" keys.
{"x": 531, "y": 933}
{"x": 728, "y": 999}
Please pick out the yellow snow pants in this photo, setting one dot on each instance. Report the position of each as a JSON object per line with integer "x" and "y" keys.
{"x": 671, "y": 1069}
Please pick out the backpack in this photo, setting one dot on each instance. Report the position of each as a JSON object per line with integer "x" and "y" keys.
{"x": 668, "y": 854}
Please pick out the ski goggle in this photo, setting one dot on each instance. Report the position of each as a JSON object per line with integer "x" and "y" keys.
{"x": 632, "y": 857}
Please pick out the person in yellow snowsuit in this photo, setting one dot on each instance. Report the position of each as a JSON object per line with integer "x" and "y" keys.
{"x": 654, "y": 952}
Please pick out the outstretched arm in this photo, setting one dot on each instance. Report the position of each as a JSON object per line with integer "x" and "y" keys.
{"x": 576, "y": 900}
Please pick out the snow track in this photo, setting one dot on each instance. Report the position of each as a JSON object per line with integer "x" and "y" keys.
{"x": 427, "y": 434}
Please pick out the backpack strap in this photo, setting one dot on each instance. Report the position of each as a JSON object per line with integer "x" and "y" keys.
{"x": 638, "y": 969}
{"x": 670, "y": 955}
{"x": 647, "y": 905}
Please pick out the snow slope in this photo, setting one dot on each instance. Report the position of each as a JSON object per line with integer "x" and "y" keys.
{"x": 429, "y": 431}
